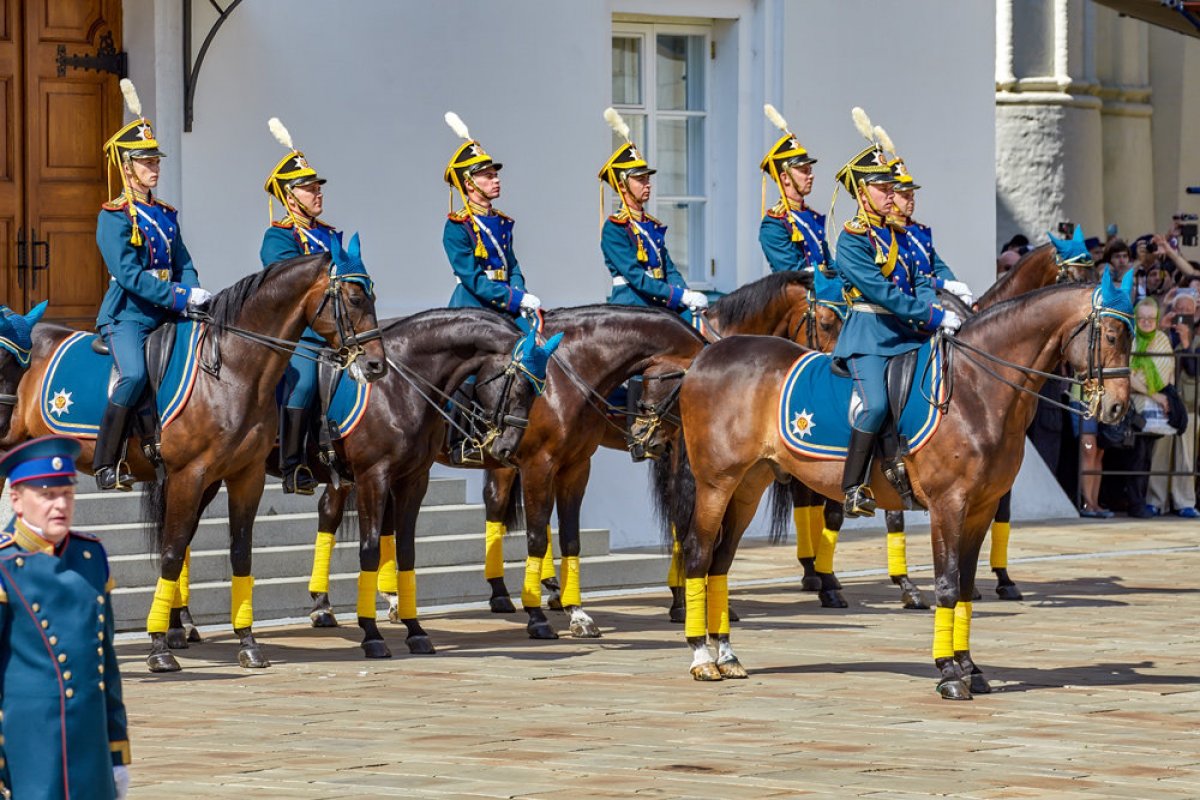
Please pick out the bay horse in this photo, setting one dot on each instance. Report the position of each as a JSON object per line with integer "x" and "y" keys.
{"x": 230, "y": 421}
{"x": 732, "y": 450}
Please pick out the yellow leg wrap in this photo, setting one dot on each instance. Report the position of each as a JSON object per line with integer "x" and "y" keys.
{"x": 367, "y": 581}
{"x": 943, "y": 633}
{"x": 322, "y": 552}
{"x": 548, "y": 560}
{"x": 999, "y": 554}
{"x": 387, "y": 563}
{"x": 825, "y": 550}
{"x": 493, "y": 549}
{"x": 697, "y": 607}
{"x": 804, "y": 547}
{"x": 160, "y": 608}
{"x": 816, "y": 524}
{"x": 242, "y": 606}
{"x": 962, "y": 627}
{"x": 406, "y": 594}
{"x": 531, "y": 592}
{"x": 897, "y": 552}
{"x": 675, "y": 572}
{"x": 718, "y": 604}
{"x": 570, "y": 587}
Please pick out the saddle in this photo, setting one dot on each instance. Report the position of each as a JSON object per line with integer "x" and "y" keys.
{"x": 146, "y": 424}
{"x": 327, "y": 429}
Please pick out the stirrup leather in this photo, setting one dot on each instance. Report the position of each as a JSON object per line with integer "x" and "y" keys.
{"x": 897, "y": 475}
{"x": 860, "y": 502}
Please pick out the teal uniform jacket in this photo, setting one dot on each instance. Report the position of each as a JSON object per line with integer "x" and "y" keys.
{"x": 150, "y": 282}
{"x": 493, "y": 281}
{"x": 654, "y": 283}
{"x": 926, "y": 258}
{"x": 783, "y": 254}
{"x": 905, "y": 303}
{"x": 64, "y": 723}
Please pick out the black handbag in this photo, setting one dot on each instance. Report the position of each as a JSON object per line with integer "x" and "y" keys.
{"x": 1177, "y": 416}
{"x": 1119, "y": 435}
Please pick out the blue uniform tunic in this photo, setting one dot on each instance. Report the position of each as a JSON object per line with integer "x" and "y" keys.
{"x": 64, "y": 725}
{"x": 493, "y": 281}
{"x": 775, "y": 237}
{"x": 287, "y": 240}
{"x": 925, "y": 258}
{"x": 653, "y": 283}
{"x": 892, "y": 310}
{"x": 150, "y": 284}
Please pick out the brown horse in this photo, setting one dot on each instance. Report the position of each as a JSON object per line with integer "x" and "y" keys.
{"x": 733, "y": 450}
{"x": 229, "y": 424}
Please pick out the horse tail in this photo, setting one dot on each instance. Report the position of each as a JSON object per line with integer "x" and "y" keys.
{"x": 154, "y": 515}
{"x": 780, "y": 511}
{"x": 661, "y": 470}
{"x": 514, "y": 512}
{"x": 681, "y": 496}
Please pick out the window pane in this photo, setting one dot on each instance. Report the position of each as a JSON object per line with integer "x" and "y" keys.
{"x": 680, "y": 156}
{"x": 627, "y": 70}
{"x": 680, "y": 75}
{"x": 637, "y": 132}
{"x": 685, "y": 237}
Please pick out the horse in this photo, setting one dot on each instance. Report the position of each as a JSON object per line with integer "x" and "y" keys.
{"x": 732, "y": 450}
{"x": 229, "y": 424}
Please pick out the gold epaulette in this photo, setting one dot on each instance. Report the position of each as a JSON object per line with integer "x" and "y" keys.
{"x": 6, "y": 540}
{"x": 778, "y": 211}
{"x": 286, "y": 224}
{"x": 87, "y": 537}
{"x": 621, "y": 218}
{"x": 461, "y": 215}
{"x": 856, "y": 226}
{"x": 501, "y": 214}
{"x": 116, "y": 204}
{"x": 158, "y": 202}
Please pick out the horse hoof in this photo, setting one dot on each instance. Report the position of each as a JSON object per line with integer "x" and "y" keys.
{"x": 502, "y": 605}
{"x": 585, "y": 630}
{"x": 554, "y": 602}
{"x": 420, "y": 645}
{"x": 376, "y": 648}
{"x": 733, "y": 616}
{"x": 253, "y": 658}
{"x": 810, "y": 583}
{"x": 541, "y": 630}
{"x": 836, "y": 583}
{"x": 193, "y": 635}
{"x": 177, "y": 639}
{"x": 162, "y": 662}
{"x": 1009, "y": 591}
{"x": 678, "y": 614}
{"x": 914, "y": 602}
{"x": 832, "y": 598}
{"x": 732, "y": 669}
{"x": 953, "y": 689}
{"x": 707, "y": 672}
{"x": 323, "y": 619}
{"x": 979, "y": 684}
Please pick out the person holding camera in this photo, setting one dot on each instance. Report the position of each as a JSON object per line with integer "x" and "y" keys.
{"x": 1152, "y": 369}
{"x": 1177, "y": 453}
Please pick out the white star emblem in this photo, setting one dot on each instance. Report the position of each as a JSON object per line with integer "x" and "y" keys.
{"x": 794, "y": 144}
{"x": 145, "y": 132}
{"x": 300, "y": 162}
{"x": 474, "y": 149}
{"x": 880, "y": 158}
{"x": 802, "y": 424}
{"x": 634, "y": 154}
{"x": 61, "y": 403}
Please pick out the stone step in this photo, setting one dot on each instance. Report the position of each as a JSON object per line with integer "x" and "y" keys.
{"x": 107, "y": 508}
{"x": 212, "y": 565}
{"x": 279, "y": 598}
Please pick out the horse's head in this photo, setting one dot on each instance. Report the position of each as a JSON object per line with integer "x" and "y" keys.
{"x": 657, "y": 425}
{"x": 774, "y": 305}
{"x": 345, "y": 314}
{"x": 508, "y": 395}
{"x": 1101, "y": 355}
{"x": 16, "y": 342}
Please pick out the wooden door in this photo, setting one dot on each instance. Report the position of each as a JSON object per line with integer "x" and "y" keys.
{"x": 12, "y": 196}
{"x": 61, "y": 121}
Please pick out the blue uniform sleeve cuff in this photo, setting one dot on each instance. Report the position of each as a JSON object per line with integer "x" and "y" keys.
{"x": 939, "y": 283}
{"x": 936, "y": 314}
{"x": 179, "y": 297}
{"x": 676, "y": 299}
{"x": 514, "y": 300}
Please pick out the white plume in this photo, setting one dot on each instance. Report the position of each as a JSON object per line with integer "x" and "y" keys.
{"x": 884, "y": 140}
{"x": 280, "y": 133}
{"x": 457, "y": 125}
{"x": 775, "y": 117}
{"x": 863, "y": 123}
{"x": 615, "y": 122}
{"x": 131, "y": 97}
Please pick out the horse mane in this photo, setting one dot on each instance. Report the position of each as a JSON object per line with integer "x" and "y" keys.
{"x": 748, "y": 301}
{"x": 388, "y": 325}
{"x": 601, "y": 308}
{"x": 227, "y": 303}
{"x": 1006, "y": 307}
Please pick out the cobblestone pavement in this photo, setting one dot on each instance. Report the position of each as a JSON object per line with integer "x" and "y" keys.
{"x": 1096, "y": 675}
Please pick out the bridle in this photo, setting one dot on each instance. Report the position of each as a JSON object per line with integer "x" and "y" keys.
{"x": 810, "y": 318}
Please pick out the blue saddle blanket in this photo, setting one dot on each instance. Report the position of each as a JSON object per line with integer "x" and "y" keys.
{"x": 74, "y": 390}
{"x": 814, "y": 406}
{"x": 348, "y": 405}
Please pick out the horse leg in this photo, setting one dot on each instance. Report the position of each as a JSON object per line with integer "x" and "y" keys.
{"x": 330, "y": 509}
{"x": 569, "y": 488}
{"x": 497, "y": 489}
{"x": 807, "y": 508}
{"x": 947, "y": 529}
{"x": 182, "y": 629}
{"x": 897, "y": 562}
{"x": 737, "y": 517}
{"x": 550, "y": 583}
{"x": 972, "y": 541}
{"x": 830, "y": 593}
{"x": 537, "y": 482}
{"x": 388, "y": 579}
{"x": 675, "y": 580}
{"x": 406, "y": 497}
{"x": 699, "y": 546}
{"x": 1006, "y": 588}
{"x": 180, "y": 517}
{"x": 372, "y": 500}
{"x": 245, "y": 491}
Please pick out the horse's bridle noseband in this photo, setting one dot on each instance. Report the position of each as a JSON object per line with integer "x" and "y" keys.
{"x": 351, "y": 341}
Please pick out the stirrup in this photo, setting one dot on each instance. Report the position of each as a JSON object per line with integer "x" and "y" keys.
{"x": 466, "y": 452}
{"x": 860, "y": 502}
{"x": 113, "y": 477}
{"x": 295, "y": 483}
{"x": 897, "y": 475}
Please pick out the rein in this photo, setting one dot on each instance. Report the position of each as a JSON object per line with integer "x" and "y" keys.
{"x": 8, "y": 400}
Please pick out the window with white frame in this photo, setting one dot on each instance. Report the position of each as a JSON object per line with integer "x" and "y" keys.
{"x": 660, "y": 86}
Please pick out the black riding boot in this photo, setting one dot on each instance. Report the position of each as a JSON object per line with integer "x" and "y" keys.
{"x": 297, "y": 478}
{"x": 107, "y": 463}
{"x": 859, "y": 500}
{"x": 893, "y": 466}
{"x": 463, "y": 448}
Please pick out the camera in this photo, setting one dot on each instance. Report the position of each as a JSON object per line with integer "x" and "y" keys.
{"x": 1187, "y": 228}
{"x": 1066, "y": 229}
{"x": 1186, "y": 319}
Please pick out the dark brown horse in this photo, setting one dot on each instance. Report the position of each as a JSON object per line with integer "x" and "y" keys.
{"x": 733, "y": 451}
{"x": 229, "y": 425}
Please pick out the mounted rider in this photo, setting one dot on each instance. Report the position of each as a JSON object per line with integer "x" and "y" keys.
{"x": 791, "y": 234}
{"x": 634, "y": 243}
{"x": 893, "y": 309}
{"x": 152, "y": 281}
{"x": 302, "y": 232}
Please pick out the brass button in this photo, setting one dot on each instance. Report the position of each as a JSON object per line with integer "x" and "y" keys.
{"x": 53, "y": 640}
{"x": 102, "y": 686}
{"x": 101, "y": 617}
{"x": 99, "y": 651}
{"x": 67, "y": 675}
{"x": 100, "y": 599}
{"x": 62, "y": 658}
{"x": 70, "y": 693}
{"x": 20, "y": 562}
{"x": 87, "y": 553}
{"x": 100, "y": 636}
{"x": 45, "y": 624}
{"x": 36, "y": 608}
{"x": 101, "y": 668}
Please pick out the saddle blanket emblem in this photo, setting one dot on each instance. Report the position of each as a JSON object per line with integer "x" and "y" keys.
{"x": 814, "y": 406}
{"x": 348, "y": 405}
{"x": 74, "y": 390}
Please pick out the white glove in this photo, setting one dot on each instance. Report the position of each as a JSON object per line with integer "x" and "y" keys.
{"x": 950, "y": 322}
{"x": 530, "y": 302}
{"x": 197, "y": 297}
{"x": 960, "y": 290}
{"x": 695, "y": 300}
{"x": 121, "y": 779}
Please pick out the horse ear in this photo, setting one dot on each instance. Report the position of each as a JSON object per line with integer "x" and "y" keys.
{"x": 552, "y": 344}
{"x": 1127, "y": 282}
{"x": 335, "y": 250}
{"x": 1078, "y": 235}
{"x": 528, "y": 344}
{"x": 36, "y": 313}
{"x": 353, "y": 249}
